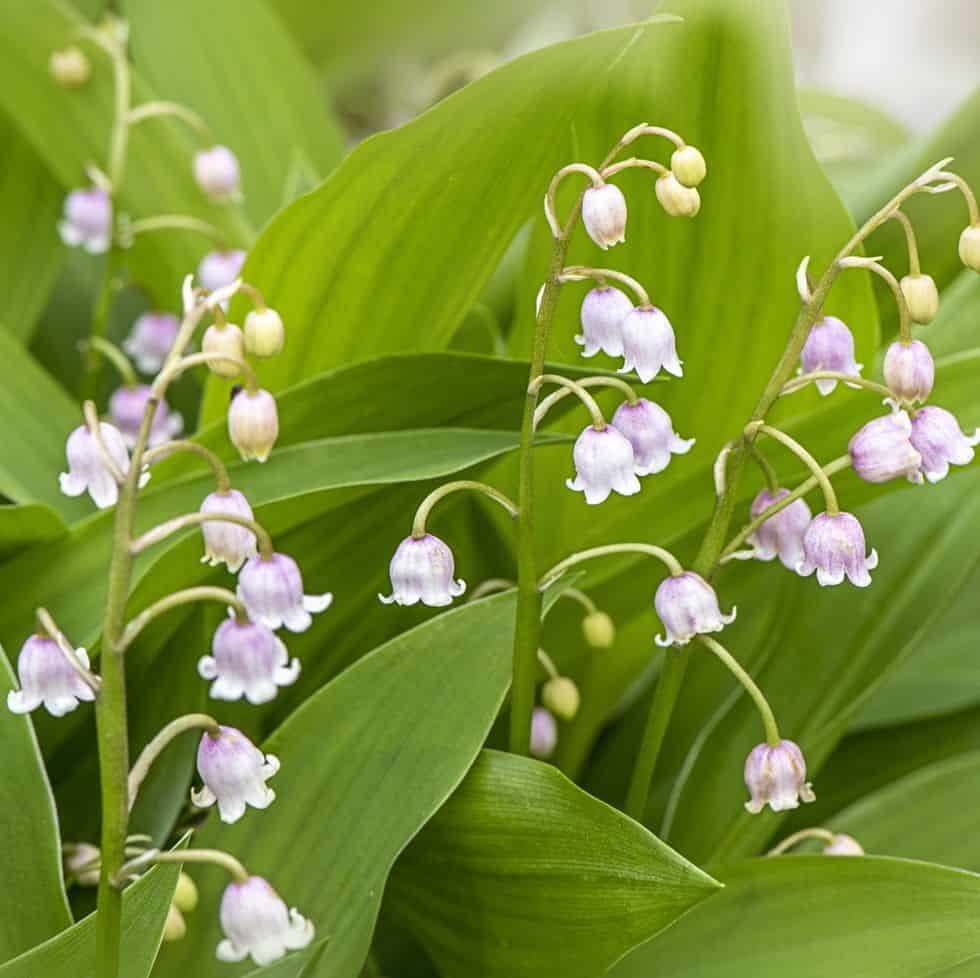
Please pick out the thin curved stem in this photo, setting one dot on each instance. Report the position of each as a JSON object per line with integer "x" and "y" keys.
{"x": 966, "y": 190}
{"x": 761, "y": 703}
{"x": 169, "y": 448}
{"x": 633, "y": 163}
{"x": 425, "y": 507}
{"x": 491, "y": 586}
{"x": 579, "y": 273}
{"x": 823, "y": 480}
{"x": 51, "y": 629}
{"x": 178, "y": 523}
{"x": 554, "y": 397}
{"x": 768, "y": 472}
{"x": 823, "y": 835}
{"x": 646, "y": 130}
{"x": 650, "y": 549}
{"x": 156, "y": 109}
{"x": 800, "y": 382}
{"x": 549, "y": 199}
{"x": 913, "y": 248}
{"x": 189, "y": 595}
{"x": 166, "y": 736}
{"x": 114, "y": 355}
{"x": 549, "y": 665}
{"x": 95, "y": 430}
{"x": 176, "y": 222}
{"x": 175, "y": 369}
{"x": 213, "y": 856}
{"x": 872, "y": 265}
{"x": 598, "y": 421}
{"x": 581, "y": 598}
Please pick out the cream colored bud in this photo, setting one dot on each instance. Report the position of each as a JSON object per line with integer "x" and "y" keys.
{"x": 676, "y": 199}
{"x": 560, "y": 695}
{"x": 599, "y": 630}
{"x": 175, "y": 928}
{"x": 970, "y": 247}
{"x": 921, "y": 296}
{"x": 70, "y": 68}
{"x": 226, "y": 339}
{"x": 264, "y": 332}
{"x": 185, "y": 896}
{"x": 81, "y": 862}
{"x": 687, "y": 164}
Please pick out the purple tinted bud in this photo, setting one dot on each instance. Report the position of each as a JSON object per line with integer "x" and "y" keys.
{"x": 782, "y": 534}
{"x": 603, "y": 312}
{"x": 46, "y": 677}
{"x": 648, "y": 428}
{"x": 253, "y": 423}
{"x": 423, "y": 570}
{"x": 87, "y": 220}
{"x": 228, "y": 543}
{"x": 649, "y": 344}
{"x": 272, "y": 591}
{"x": 688, "y": 606}
{"x": 544, "y": 733}
{"x": 234, "y": 772}
{"x": 256, "y": 922}
{"x": 843, "y": 845}
{"x": 881, "y": 450}
{"x": 776, "y": 776}
{"x": 604, "y": 463}
{"x": 604, "y": 215}
{"x": 936, "y": 436}
{"x": 909, "y": 371}
{"x": 126, "y": 408}
{"x": 829, "y": 346}
{"x": 833, "y": 546}
{"x": 217, "y": 173}
{"x": 150, "y": 340}
{"x": 220, "y": 268}
{"x": 87, "y": 470}
{"x": 249, "y": 660}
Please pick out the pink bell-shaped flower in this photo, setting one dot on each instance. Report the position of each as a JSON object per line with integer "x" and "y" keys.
{"x": 87, "y": 469}
{"x": 150, "y": 340}
{"x": 776, "y": 776}
{"x": 234, "y": 772}
{"x": 228, "y": 543}
{"x": 882, "y": 450}
{"x": 604, "y": 463}
{"x": 217, "y": 173}
{"x": 271, "y": 588}
{"x": 833, "y": 546}
{"x": 649, "y": 344}
{"x": 544, "y": 733}
{"x": 604, "y": 215}
{"x": 602, "y": 315}
{"x": 648, "y": 428}
{"x": 87, "y": 221}
{"x": 126, "y": 408}
{"x": 220, "y": 268}
{"x": 423, "y": 570}
{"x": 47, "y": 678}
{"x": 782, "y": 534}
{"x": 937, "y": 437}
{"x": 688, "y": 606}
{"x": 257, "y": 924}
{"x": 829, "y": 346}
{"x": 909, "y": 371}
{"x": 253, "y": 423}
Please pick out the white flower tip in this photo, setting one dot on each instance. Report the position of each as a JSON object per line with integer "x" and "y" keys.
{"x": 315, "y": 603}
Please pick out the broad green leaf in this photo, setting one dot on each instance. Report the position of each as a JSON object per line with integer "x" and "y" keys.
{"x": 30, "y": 250}
{"x": 247, "y": 77}
{"x": 27, "y": 525}
{"x": 812, "y": 916}
{"x": 71, "y": 954}
{"x": 70, "y": 128}
{"x": 32, "y": 899}
{"x": 521, "y": 873}
{"x": 365, "y": 763}
{"x": 34, "y": 442}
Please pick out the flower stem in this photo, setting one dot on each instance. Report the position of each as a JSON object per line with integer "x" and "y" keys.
{"x": 425, "y": 507}
{"x": 801, "y": 380}
{"x": 156, "y": 109}
{"x": 913, "y": 248}
{"x": 823, "y": 480}
{"x": 176, "y": 222}
{"x": 579, "y": 273}
{"x": 650, "y": 549}
{"x": 574, "y": 594}
{"x": 824, "y": 835}
{"x": 187, "y": 596}
{"x": 213, "y": 856}
{"x": 165, "y": 529}
{"x": 114, "y": 355}
{"x": 167, "y": 734}
{"x": 222, "y": 481}
{"x": 554, "y": 397}
{"x": 598, "y": 421}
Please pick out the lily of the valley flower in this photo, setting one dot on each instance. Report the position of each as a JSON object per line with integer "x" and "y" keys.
{"x": 228, "y": 543}
{"x": 776, "y": 776}
{"x": 829, "y": 346}
{"x": 604, "y": 215}
{"x": 126, "y": 408}
{"x": 603, "y": 312}
{"x": 87, "y": 221}
{"x": 921, "y": 297}
{"x": 47, "y": 678}
{"x": 220, "y": 268}
{"x": 264, "y": 332}
{"x": 843, "y": 845}
{"x": 150, "y": 340}
{"x": 688, "y": 606}
{"x": 248, "y": 660}
{"x": 604, "y": 463}
{"x": 782, "y": 534}
{"x": 937, "y": 437}
{"x": 833, "y": 546}
{"x": 909, "y": 371}
{"x": 217, "y": 173}
{"x": 234, "y": 772}
{"x": 225, "y": 339}
{"x": 649, "y": 344}
{"x": 86, "y": 468}
{"x": 881, "y": 450}
{"x": 648, "y": 428}
{"x": 271, "y": 588}
{"x": 544, "y": 733}
{"x": 257, "y": 923}
{"x": 253, "y": 423}
{"x": 423, "y": 570}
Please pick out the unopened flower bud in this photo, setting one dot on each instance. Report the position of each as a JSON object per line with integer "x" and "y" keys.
{"x": 228, "y": 543}
{"x": 87, "y": 221}
{"x": 226, "y": 339}
{"x": 882, "y": 450}
{"x": 843, "y": 845}
{"x": 544, "y": 733}
{"x": 423, "y": 570}
{"x": 782, "y": 534}
{"x": 604, "y": 215}
{"x": 253, "y": 423}
{"x": 970, "y": 247}
{"x": 150, "y": 340}
{"x": 921, "y": 297}
{"x": 776, "y": 776}
{"x": 649, "y": 344}
{"x": 234, "y": 772}
{"x": 604, "y": 463}
{"x": 46, "y": 677}
{"x": 185, "y": 896}
{"x": 937, "y": 437}
{"x": 688, "y": 606}
{"x": 599, "y": 630}
{"x": 829, "y": 346}
{"x": 688, "y": 166}
{"x": 257, "y": 922}
{"x": 833, "y": 546}
{"x": 603, "y": 312}
{"x": 560, "y": 695}
{"x": 676, "y": 199}
{"x": 217, "y": 173}
{"x": 70, "y": 67}
{"x": 175, "y": 928}
{"x": 264, "y": 332}
{"x": 909, "y": 371}
{"x": 271, "y": 588}
{"x": 648, "y": 428}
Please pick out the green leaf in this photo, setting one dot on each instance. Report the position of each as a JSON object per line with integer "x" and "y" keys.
{"x": 365, "y": 763}
{"x": 32, "y": 898}
{"x": 521, "y": 874}
{"x": 30, "y": 250}
{"x": 27, "y": 525}
{"x": 34, "y": 443}
{"x": 71, "y": 954}
{"x": 246, "y": 76}
{"x": 811, "y": 916}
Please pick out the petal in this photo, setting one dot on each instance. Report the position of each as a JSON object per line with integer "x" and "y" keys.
{"x": 827, "y": 578}
{"x": 287, "y": 675}
{"x": 58, "y": 706}
{"x": 296, "y": 619}
{"x": 103, "y": 489}
{"x": 301, "y": 931}
{"x": 260, "y": 691}
{"x": 227, "y": 689}
{"x": 267, "y": 951}
{"x": 230, "y": 810}
{"x": 826, "y": 386}
{"x": 260, "y": 796}
{"x": 457, "y": 588}
{"x": 316, "y": 603}
{"x": 207, "y": 668}
{"x": 204, "y": 798}
{"x": 19, "y": 702}
{"x": 226, "y": 951}
{"x": 871, "y": 561}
